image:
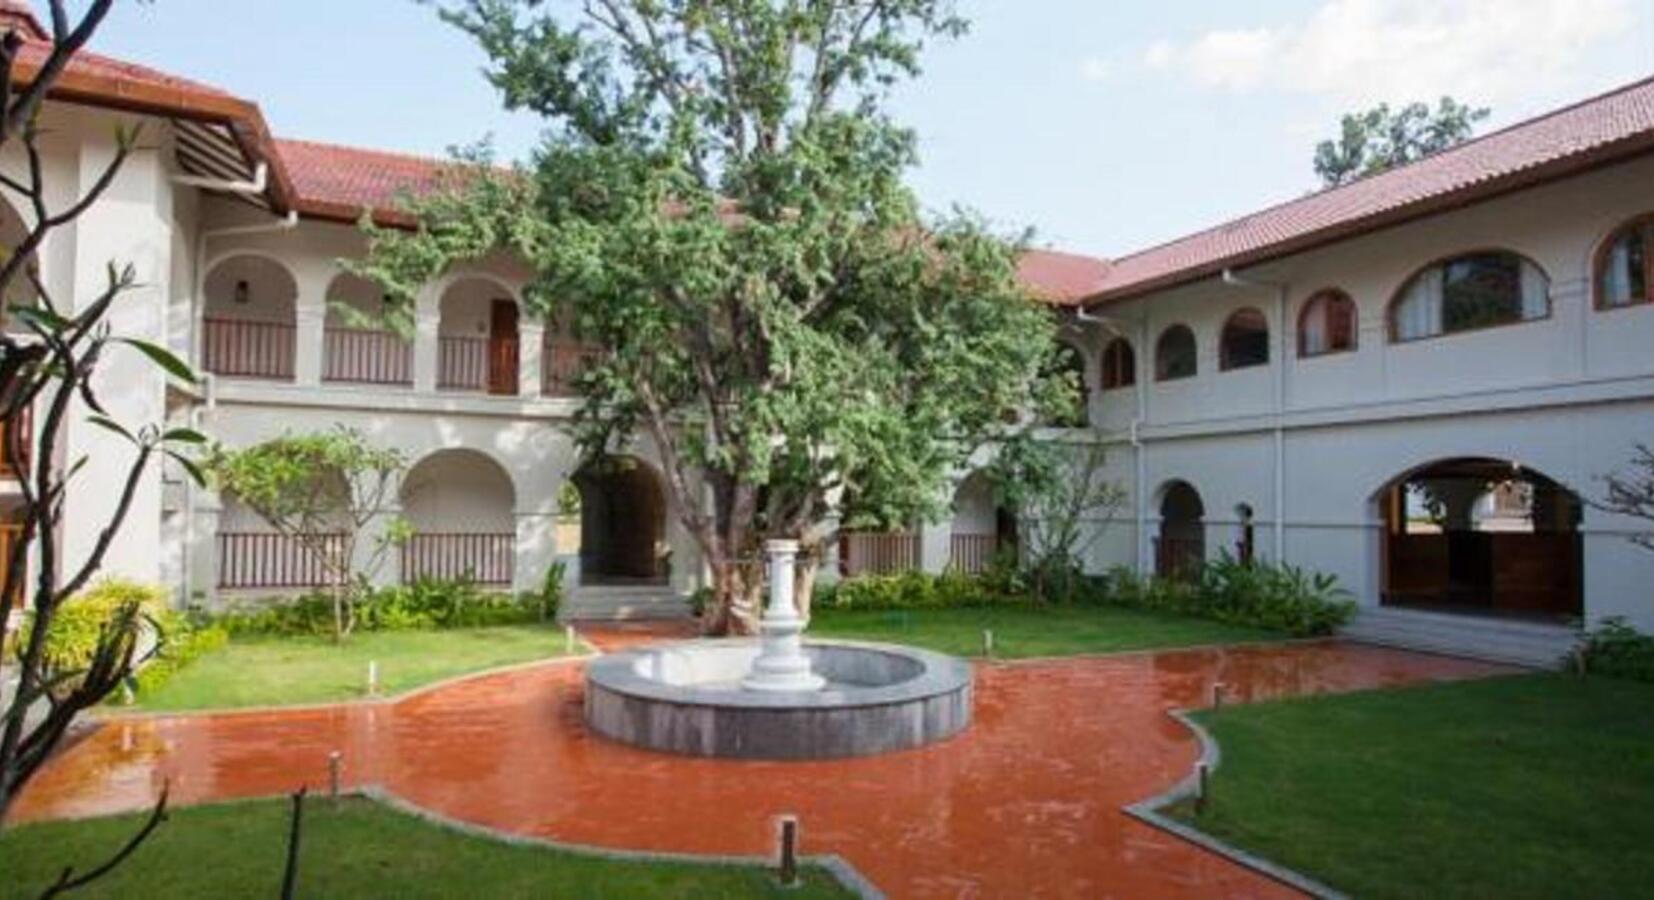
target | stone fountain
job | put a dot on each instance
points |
(778, 696)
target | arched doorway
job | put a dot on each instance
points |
(983, 528)
(462, 506)
(1180, 550)
(1485, 536)
(477, 338)
(622, 523)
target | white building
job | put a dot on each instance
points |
(1410, 382)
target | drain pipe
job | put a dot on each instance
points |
(1139, 461)
(1280, 288)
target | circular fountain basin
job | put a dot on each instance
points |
(687, 698)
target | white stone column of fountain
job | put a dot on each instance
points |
(782, 664)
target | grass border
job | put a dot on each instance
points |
(1148, 812)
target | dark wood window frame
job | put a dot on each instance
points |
(1119, 365)
(1442, 262)
(1335, 298)
(1230, 353)
(1161, 368)
(1643, 224)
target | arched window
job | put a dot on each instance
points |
(1174, 354)
(1625, 266)
(1119, 364)
(1245, 340)
(1327, 324)
(1476, 290)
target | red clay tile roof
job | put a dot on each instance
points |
(340, 183)
(1062, 278)
(1600, 130)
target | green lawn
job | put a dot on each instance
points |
(356, 848)
(1535, 786)
(1021, 632)
(259, 671)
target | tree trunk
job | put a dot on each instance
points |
(804, 581)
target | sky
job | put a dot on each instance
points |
(1106, 127)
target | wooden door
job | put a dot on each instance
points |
(502, 347)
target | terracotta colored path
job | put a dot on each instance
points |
(1026, 803)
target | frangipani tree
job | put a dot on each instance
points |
(720, 203)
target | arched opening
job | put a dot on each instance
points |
(1180, 549)
(461, 506)
(1245, 340)
(622, 523)
(1327, 324)
(20, 293)
(1175, 355)
(565, 357)
(984, 530)
(358, 348)
(1119, 365)
(1482, 536)
(250, 319)
(1068, 363)
(1625, 265)
(1468, 292)
(477, 338)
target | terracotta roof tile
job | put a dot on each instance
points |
(337, 182)
(1567, 140)
(1062, 278)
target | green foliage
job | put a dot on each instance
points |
(184, 645)
(552, 593)
(1616, 649)
(426, 604)
(747, 254)
(913, 591)
(1378, 139)
(72, 637)
(1280, 597)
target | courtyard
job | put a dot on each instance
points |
(1027, 802)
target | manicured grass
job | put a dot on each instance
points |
(1533, 786)
(1021, 632)
(356, 848)
(260, 671)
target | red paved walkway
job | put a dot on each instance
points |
(1026, 803)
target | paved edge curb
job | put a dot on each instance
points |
(1148, 812)
(837, 866)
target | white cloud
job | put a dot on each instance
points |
(1483, 51)
(1095, 68)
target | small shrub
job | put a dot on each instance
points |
(73, 636)
(914, 591)
(552, 592)
(1279, 597)
(183, 646)
(424, 605)
(1618, 650)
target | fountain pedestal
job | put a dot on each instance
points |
(781, 664)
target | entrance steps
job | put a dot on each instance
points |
(623, 603)
(1532, 644)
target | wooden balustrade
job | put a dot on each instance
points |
(19, 435)
(484, 558)
(264, 560)
(972, 554)
(874, 553)
(10, 534)
(248, 349)
(562, 364)
(462, 364)
(366, 356)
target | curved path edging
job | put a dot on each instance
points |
(1148, 812)
(837, 866)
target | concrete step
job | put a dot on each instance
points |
(614, 603)
(1531, 644)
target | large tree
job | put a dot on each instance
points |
(720, 201)
(1380, 138)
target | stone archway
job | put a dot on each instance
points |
(1180, 549)
(1482, 535)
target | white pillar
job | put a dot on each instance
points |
(935, 546)
(536, 551)
(427, 322)
(310, 321)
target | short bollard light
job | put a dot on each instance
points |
(1219, 689)
(1201, 774)
(988, 643)
(373, 677)
(787, 850)
(568, 639)
(335, 766)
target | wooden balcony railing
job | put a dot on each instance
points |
(248, 349)
(366, 356)
(873, 553)
(11, 595)
(562, 364)
(263, 560)
(972, 554)
(484, 558)
(19, 435)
